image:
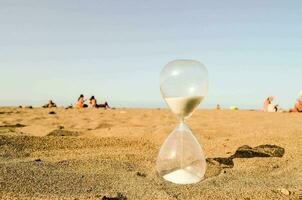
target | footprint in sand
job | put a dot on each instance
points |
(104, 125)
(216, 165)
(10, 128)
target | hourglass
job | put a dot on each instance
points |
(183, 85)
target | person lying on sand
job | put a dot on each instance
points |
(80, 102)
(104, 105)
(268, 105)
(93, 103)
(50, 104)
(298, 106)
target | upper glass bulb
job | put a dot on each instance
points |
(184, 84)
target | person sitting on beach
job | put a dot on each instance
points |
(93, 103)
(298, 105)
(50, 104)
(268, 105)
(80, 102)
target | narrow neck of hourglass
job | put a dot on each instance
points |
(181, 119)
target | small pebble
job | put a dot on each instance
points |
(119, 196)
(60, 127)
(275, 166)
(285, 191)
(141, 174)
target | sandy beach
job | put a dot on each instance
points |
(111, 154)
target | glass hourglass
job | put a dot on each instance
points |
(183, 85)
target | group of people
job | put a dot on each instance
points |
(269, 106)
(92, 103)
(80, 103)
(50, 104)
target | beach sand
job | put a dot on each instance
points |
(101, 154)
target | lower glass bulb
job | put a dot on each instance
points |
(181, 159)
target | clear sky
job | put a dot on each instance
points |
(115, 49)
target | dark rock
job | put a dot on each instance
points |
(259, 151)
(52, 113)
(119, 196)
(216, 165)
(38, 160)
(141, 174)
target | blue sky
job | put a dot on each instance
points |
(115, 50)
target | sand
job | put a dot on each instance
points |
(182, 176)
(93, 154)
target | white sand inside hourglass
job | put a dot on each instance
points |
(183, 106)
(182, 176)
